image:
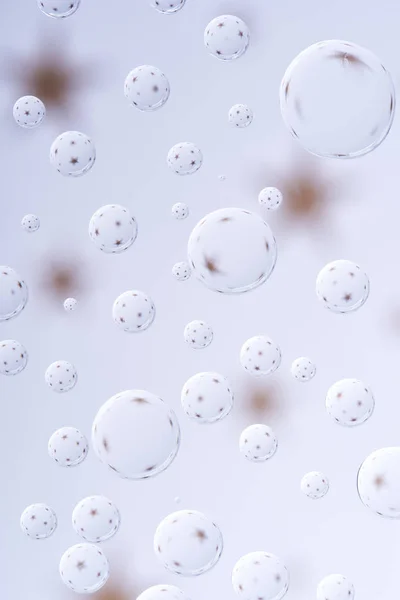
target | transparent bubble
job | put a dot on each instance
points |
(73, 154)
(147, 88)
(184, 158)
(13, 293)
(207, 397)
(167, 7)
(29, 112)
(232, 251)
(342, 286)
(177, 500)
(198, 334)
(260, 575)
(112, 229)
(84, 568)
(136, 434)
(227, 37)
(133, 311)
(303, 369)
(30, 223)
(240, 115)
(58, 9)
(61, 376)
(335, 587)
(188, 543)
(70, 304)
(68, 447)
(323, 99)
(38, 521)
(270, 198)
(315, 485)
(260, 356)
(181, 271)
(13, 357)
(222, 177)
(163, 592)
(96, 519)
(258, 443)
(350, 402)
(378, 482)
(180, 211)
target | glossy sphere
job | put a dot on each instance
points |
(232, 251)
(73, 154)
(350, 402)
(13, 357)
(227, 37)
(38, 521)
(258, 443)
(112, 229)
(378, 482)
(260, 575)
(84, 568)
(96, 519)
(147, 88)
(342, 286)
(314, 485)
(270, 198)
(163, 592)
(181, 271)
(29, 112)
(260, 356)
(167, 7)
(121, 436)
(61, 376)
(13, 293)
(180, 211)
(240, 115)
(207, 397)
(198, 334)
(133, 311)
(303, 369)
(58, 9)
(68, 447)
(188, 543)
(322, 99)
(184, 158)
(335, 587)
(30, 223)
(70, 304)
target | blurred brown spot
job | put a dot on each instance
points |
(112, 592)
(63, 279)
(306, 193)
(262, 401)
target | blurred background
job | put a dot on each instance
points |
(331, 210)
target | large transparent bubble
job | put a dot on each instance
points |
(337, 99)
(379, 482)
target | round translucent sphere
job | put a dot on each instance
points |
(84, 568)
(350, 402)
(112, 229)
(270, 198)
(38, 521)
(136, 434)
(198, 334)
(61, 376)
(29, 112)
(335, 587)
(188, 543)
(163, 592)
(207, 397)
(303, 369)
(378, 482)
(96, 519)
(167, 7)
(181, 271)
(68, 447)
(227, 37)
(133, 311)
(342, 286)
(258, 443)
(240, 115)
(59, 9)
(232, 251)
(147, 88)
(13, 293)
(315, 485)
(260, 356)
(73, 154)
(184, 158)
(30, 223)
(13, 357)
(70, 304)
(260, 575)
(323, 99)
(180, 211)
